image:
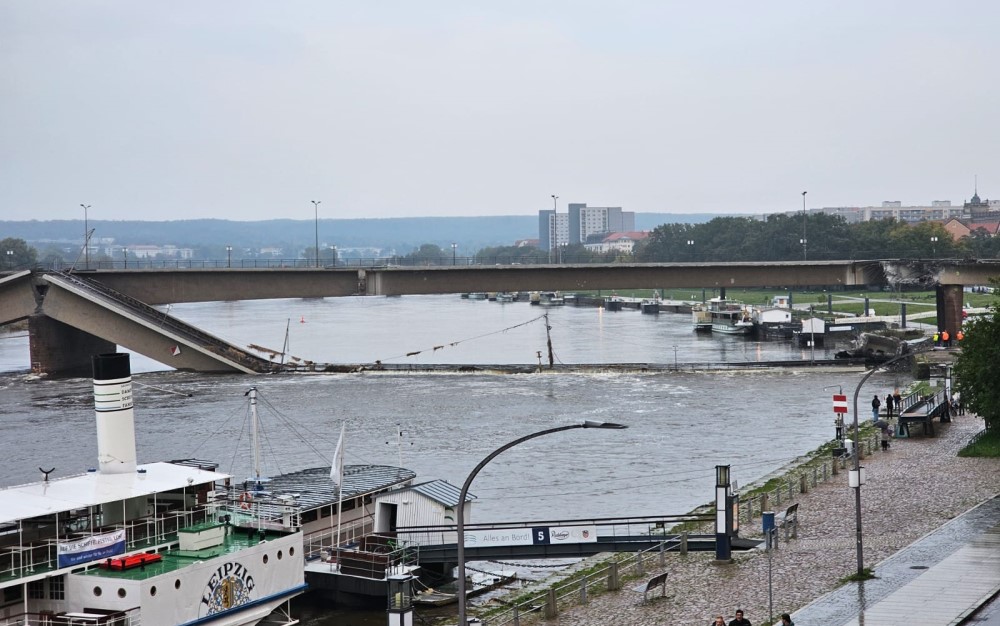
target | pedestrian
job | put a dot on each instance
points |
(960, 336)
(885, 436)
(888, 404)
(739, 620)
(898, 401)
(937, 339)
(876, 405)
(786, 620)
(719, 621)
(957, 400)
(945, 338)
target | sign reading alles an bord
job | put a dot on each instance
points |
(539, 535)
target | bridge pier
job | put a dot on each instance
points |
(61, 349)
(949, 308)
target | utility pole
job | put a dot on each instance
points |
(805, 256)
(316, 204)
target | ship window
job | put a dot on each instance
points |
(11, 595)
(121, 592)
(152, 590)
(177, 584)
(291, 551)
(265, 559)
(97, 591)
(280, 555)
(57, 588)
(36, 590)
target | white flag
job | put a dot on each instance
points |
(337, 467)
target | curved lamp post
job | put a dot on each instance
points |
(460, 524)
(856, 477)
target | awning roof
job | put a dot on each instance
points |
(93, 488)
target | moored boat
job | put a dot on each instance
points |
(614, 302)
(128, 543)
(730, 317)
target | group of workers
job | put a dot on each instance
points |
(943, 338)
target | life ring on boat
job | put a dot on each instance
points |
(246, 501)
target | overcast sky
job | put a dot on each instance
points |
(248, 110)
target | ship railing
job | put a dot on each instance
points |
(351, 534)
(130, 617)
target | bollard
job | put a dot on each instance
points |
(763, 502)
(816, 475)
(613, 581)
(791, 494)
(639, 569)
(749, 509)
(803, 484)
(684, 542)
(663, 553)
(551, 606)
(833, 467)
(517, 616)
(583, 591)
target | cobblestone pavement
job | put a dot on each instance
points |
(912, 489)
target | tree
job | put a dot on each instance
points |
(975, 368)
(15, 254)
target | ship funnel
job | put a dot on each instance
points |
(113, 410)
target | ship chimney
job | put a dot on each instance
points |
(113, 410)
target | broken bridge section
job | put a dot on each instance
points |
(79, 317)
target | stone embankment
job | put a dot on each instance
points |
(913, 488)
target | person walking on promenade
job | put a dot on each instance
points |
(876, 405)
(719, 621)
(937, 339)
(786, 620)
(945, 338)
(888, 405)
(898, 401)
(739, 620)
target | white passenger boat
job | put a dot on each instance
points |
(730, 317)
(152, 544)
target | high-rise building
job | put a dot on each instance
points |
(555, 229)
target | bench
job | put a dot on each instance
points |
(660, 580)
(789, 520)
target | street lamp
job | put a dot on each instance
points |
(691, 243)
(454, 251)
(857, 476)
(86, 238)
(229, 256)
(316, 204)
(552, 223)
(934, 241)
(10, 258)
(460, 524)
(803, 240)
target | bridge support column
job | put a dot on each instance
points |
(58, 348)
(949, 308)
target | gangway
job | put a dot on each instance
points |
(537, 539)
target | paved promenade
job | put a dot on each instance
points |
(913, 493)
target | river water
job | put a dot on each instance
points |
(681, 423)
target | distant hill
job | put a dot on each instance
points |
(403, 234)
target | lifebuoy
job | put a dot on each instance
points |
(246, 501)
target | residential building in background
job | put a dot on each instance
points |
(581, 224)
(622, 243)
(975, 210)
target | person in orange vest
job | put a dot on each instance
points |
(960, 335)
(945, 338)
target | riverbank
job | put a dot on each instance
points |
(915, 487)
